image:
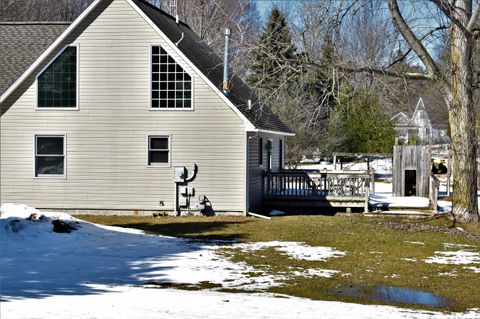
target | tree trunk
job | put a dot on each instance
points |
(462, 119)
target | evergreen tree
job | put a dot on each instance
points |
(360, 125)
(273, 56)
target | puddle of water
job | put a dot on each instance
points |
(395, 294)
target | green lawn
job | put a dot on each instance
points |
(374, 251)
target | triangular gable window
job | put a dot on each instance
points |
(57, 84)
(171, 85)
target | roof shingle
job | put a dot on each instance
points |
(21, 44)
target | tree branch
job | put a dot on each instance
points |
(366, 69)
(426, 35)
(432, 68)
(447, 9)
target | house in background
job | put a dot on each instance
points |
(122, 111)
(419, 127)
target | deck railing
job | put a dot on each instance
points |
(316, 184)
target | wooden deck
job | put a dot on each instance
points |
(313, 188)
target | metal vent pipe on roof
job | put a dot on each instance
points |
(225, 61)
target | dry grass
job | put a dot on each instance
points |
(374, 251)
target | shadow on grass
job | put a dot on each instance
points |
(212, 230)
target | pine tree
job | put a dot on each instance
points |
(273, 57)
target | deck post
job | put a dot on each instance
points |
(335, 162)
(367, 199)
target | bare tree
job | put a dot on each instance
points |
(41, 10)
(457, 92)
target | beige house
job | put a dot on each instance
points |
(122, 111)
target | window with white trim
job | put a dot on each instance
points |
(159, 150)
(171, 85)
(57, 84)
(49, 155)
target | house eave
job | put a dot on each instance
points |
(257, 130)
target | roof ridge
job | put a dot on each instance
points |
(35, 22)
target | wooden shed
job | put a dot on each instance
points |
(411, 170)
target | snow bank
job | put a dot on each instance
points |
(22, 211)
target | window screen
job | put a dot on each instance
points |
(171, 85)
(57, 84)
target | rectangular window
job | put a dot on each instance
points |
(171, 84)
(280, 154)
(260, 151)
(49, 155)
(269, 154)
(57, 84)
(159, 151)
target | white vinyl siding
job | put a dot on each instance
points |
(107, 141)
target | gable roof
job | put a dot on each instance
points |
(401, 119)
(210, 65)
(17, 55)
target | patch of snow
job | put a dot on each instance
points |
(415, 243)
(409, 259)
(392, 202)
(454, 258)
(327, 273)
(474, 269)
(382, 188)
(277, 213)
(452, 273)
(448, 245)
(295, 250)
(444, 206)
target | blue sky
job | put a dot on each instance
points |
(264, 6)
